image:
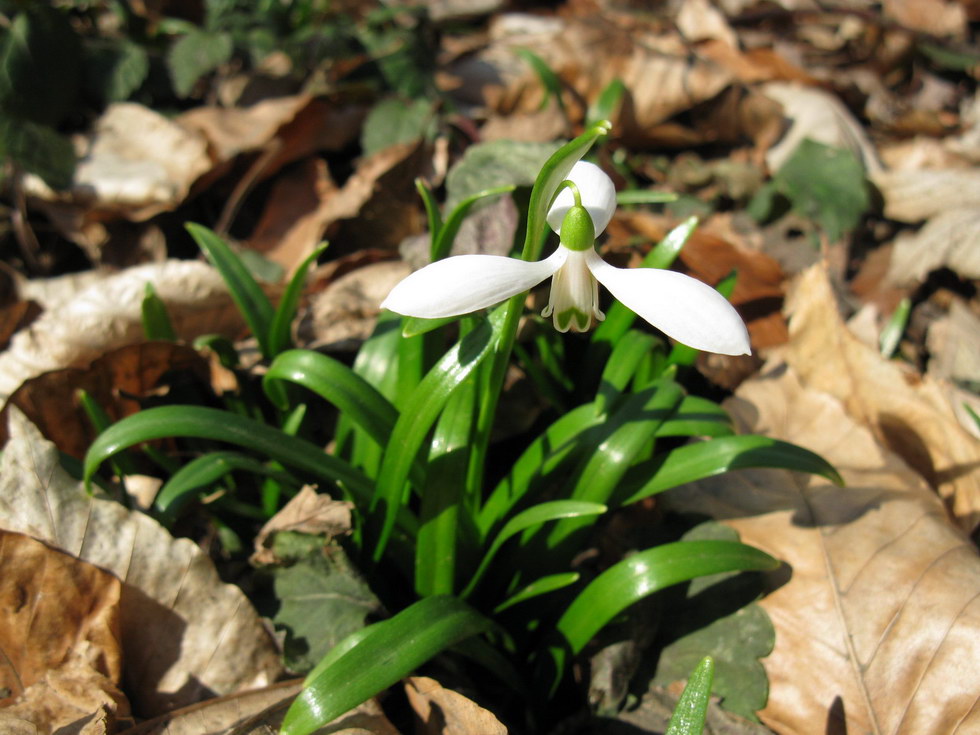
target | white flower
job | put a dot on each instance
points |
(682, 307)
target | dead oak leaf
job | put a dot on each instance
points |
(907, 412)
(877, 617)
(185, 634)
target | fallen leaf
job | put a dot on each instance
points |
(185, 634)
(259, 712)
(308, 512)
(931, 17)
(117, 381)
(136, 163)
(876, 610)
(909, 414)
(954, 350)
(819, 116)
(950, 239)
(59, 635)
(913, 195)
(106, 314)
(442, 711)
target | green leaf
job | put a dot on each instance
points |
(417, 417)
(621, 367)
(40, 64)
(40, 150)
(338, 384)
(542, 586)
(717, 613)
(532, 517)
(493, 164)
(282, 318)
(442, 244)
(644, 196)
(210, 423)
(390, 651)
(716, 456)
(692, 707)
(203, 472)
(697, 416)
(115, 69)
(607, 104)
(322, 599)
(194, 55)
(826, 185)
(549, 80)
(156, 320)
(891, 335)
(646, 572)
(393, 121)
(432, 213)
(245, 291)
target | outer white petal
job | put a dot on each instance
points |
(465, 283)
(682, 307)
(597, 192)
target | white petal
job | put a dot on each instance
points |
(682, 307)
(465, 283)
(597, 192)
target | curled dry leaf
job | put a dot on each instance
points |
(909, 414)
(59, 638)
(106, 315)
(308, 512)
(877, 617)
(185, 634)
(951, 239)
(445, 712)
(913, 195)
(116, 381)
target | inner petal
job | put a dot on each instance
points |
(574, 299)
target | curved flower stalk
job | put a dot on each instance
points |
(684, 308)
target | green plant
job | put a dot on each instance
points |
(476, 561)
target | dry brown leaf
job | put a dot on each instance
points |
(185, 634)
(56, 612)
(106, 315)
(877, 617)
(259, 712)
(913, 195)
(442, 711)
(664, 76)
(953, 342)
(819, 116)
(950, 239)
(933, 17)
(308, 512)
(136, 163)
(116, 381)
(908, 413)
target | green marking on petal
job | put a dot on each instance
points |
(574, 319)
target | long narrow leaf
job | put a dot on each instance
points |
(209, 423)
(389, 652)
(621, 367)
(646, 572)
(692, 707)
(156, 320)
(282, 319)
(542, 586)
(245, 291)
(716, 456)
(533, 516)
(338, 384)
(417, 417)
(697, 416)
(442, 244)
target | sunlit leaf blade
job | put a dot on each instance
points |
(606, 105)
(156, 320)
(646, 572)
(697, 416)
(431, 210)
(544, 455)
(282, 318)
(546, 75)
(891, 335)
(713, 457)
(417, 417)
(541, 586)
(245, 291)
(554, 171)
(644, 196)
(692, 707)
(338, 384)
(412, 326)
(210, 423)
(533, 516)
(202, 472)
(621, 367)
(382, 657)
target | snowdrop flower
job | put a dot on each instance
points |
(682, 307)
